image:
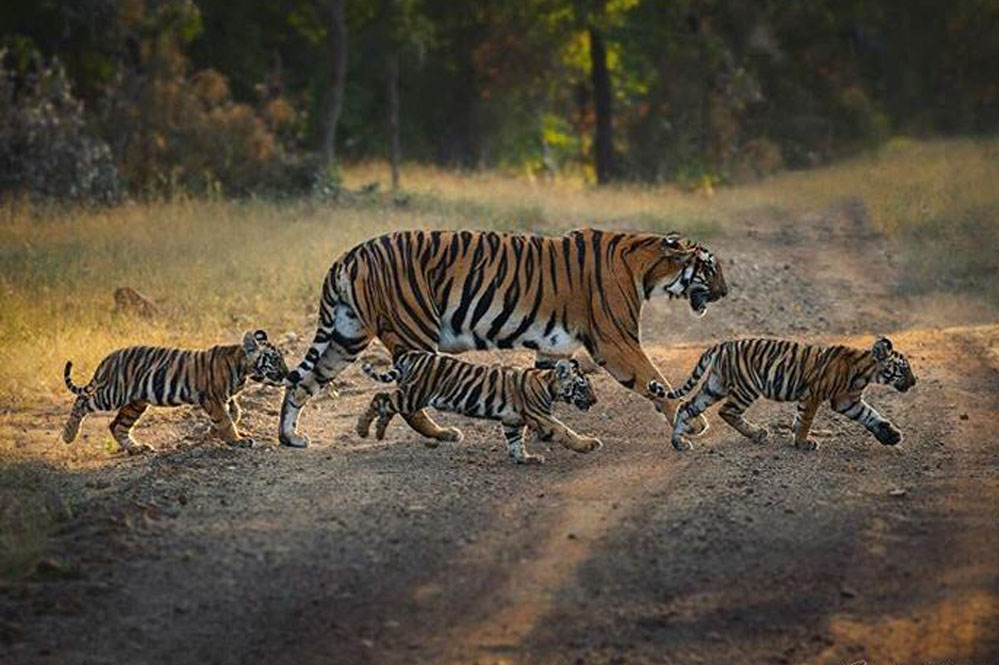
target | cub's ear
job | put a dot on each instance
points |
(574, 363)
(881, 348)
(564, 368)
(250, 341)
(260, 336)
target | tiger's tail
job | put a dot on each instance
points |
(73, 388)
(705, 361)
(390, 376)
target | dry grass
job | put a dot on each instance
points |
(215, 268)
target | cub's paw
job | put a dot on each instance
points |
(244, 442)
(807, 444)
(888, 435)
(363, 428)
(697, 426)
(760, 435)
(453, 434)
(139, 449)
(681, 443)
(586, 444)
(529, 458)
(293, 440)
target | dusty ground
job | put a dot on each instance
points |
(360, 552)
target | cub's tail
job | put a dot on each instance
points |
(73, 388)
(390, 376)
(703, 364)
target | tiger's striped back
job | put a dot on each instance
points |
(163, 376)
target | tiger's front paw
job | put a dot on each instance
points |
(760, 435)
(293, 440)
(139, 448)
(807, 444)
(887, 434)
(586, 444)
(453, 434)
(243, 442)
(529, 458)
(681, 444)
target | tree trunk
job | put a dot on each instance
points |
(393, 117)
(336, 50)
(604, 146)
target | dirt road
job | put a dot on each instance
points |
(364, 552)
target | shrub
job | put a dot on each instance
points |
(47, 151)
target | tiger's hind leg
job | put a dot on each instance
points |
(552, 429)
(517, 447)
(732, 410)
(690, 412)
(340, 338)
(121, 428)
(235, 413)
(425, 425)
(81, 409)
(383, 406)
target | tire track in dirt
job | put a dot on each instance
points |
(590, 505)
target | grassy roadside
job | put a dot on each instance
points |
(215, 268)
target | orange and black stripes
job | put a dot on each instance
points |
(460, 290)
(518, 398)
(133, 378)
(785, 371)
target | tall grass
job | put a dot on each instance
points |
(216, 268)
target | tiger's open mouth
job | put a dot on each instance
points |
(699, 299)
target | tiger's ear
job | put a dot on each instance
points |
(251, 343)
(672, 241)
(260, 335)
(575, 365)
(563, 368)
(881, 348)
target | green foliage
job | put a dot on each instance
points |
(47, 151)
(704, 92)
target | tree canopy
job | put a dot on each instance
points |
(238, 96)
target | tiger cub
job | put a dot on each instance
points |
(518, 398)
(133, 378)
(786, 371)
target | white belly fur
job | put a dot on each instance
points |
(558, 341)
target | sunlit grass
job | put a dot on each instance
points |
(905, 184)
(217, 268)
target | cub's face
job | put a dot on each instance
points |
(893, 367)
(266, 361)
(570, 385)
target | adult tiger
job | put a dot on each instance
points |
(461, 290)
